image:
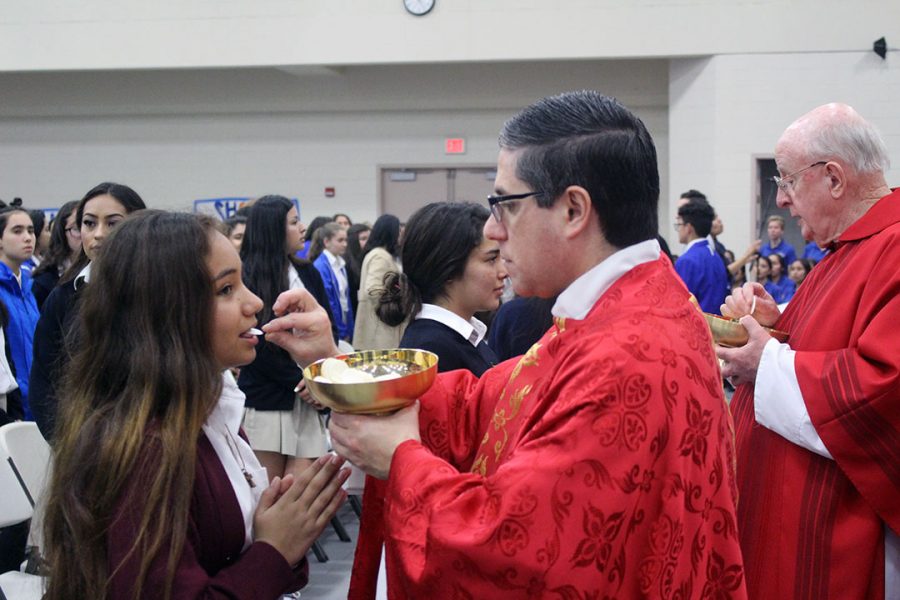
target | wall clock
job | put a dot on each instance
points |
(418, 7)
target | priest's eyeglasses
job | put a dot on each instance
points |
(496, 202)
(784, 183)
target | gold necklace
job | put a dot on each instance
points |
(236, 452)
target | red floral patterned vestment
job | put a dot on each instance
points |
(598, 465)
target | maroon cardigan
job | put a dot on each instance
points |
(211, 565)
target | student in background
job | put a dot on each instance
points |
(16, 247)
(799, 269)
(699, 266)
(65, 243)
(101, 209)
(343, 220)
(333, 269)
(780, 286)
(357, 236)
(379, 260)
(308, 237)
(235, 227)
(285, 431)
(777, 243)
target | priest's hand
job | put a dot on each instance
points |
(369, 441)
(740, 364)
(302, 327)
(741, 302)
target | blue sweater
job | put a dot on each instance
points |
(344, 323)
(705, 276)
(783, 249)
(783, 290)
(23, 318)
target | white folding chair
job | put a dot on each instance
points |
(30, 455)
(15, 507)
(22, 441)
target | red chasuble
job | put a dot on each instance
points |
(812, 527)
(597, 465)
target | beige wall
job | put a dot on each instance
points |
(134, 34)
(727, 110)
(180, 136)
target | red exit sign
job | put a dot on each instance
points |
(455, 146)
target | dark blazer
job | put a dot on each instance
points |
(211, 565)
(43, 284)
(269, 381)
(453, 350)
(49, 356)
(518, 324)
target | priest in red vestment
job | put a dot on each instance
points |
(818, 418)
(600, 463)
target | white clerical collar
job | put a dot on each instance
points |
(336, 262)
(709, 242)
(84, 276)
(576, 301)
(472, 330)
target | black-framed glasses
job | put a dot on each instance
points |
(496, 202)
(784, 183)
(73, 230)
(678, 225)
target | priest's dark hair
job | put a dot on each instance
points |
(699, 215)
(436, 245)
(587, 139)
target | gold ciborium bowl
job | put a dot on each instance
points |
(730, 332)
(415, 370)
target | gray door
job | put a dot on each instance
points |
(405, 190)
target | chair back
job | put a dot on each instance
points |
(15, 506)
(30, 453)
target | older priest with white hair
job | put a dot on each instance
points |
(818, 419)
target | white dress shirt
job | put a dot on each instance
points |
(472, 330)
(221, 429)
(337, 266)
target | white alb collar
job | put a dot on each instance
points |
(472, 330)
(577, 300)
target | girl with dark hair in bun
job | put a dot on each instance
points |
(450, 272)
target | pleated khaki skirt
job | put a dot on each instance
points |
(299, 432)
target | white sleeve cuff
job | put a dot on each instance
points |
(778, 402)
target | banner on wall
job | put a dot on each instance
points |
(225, 208)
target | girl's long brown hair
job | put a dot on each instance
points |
(142, 381)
